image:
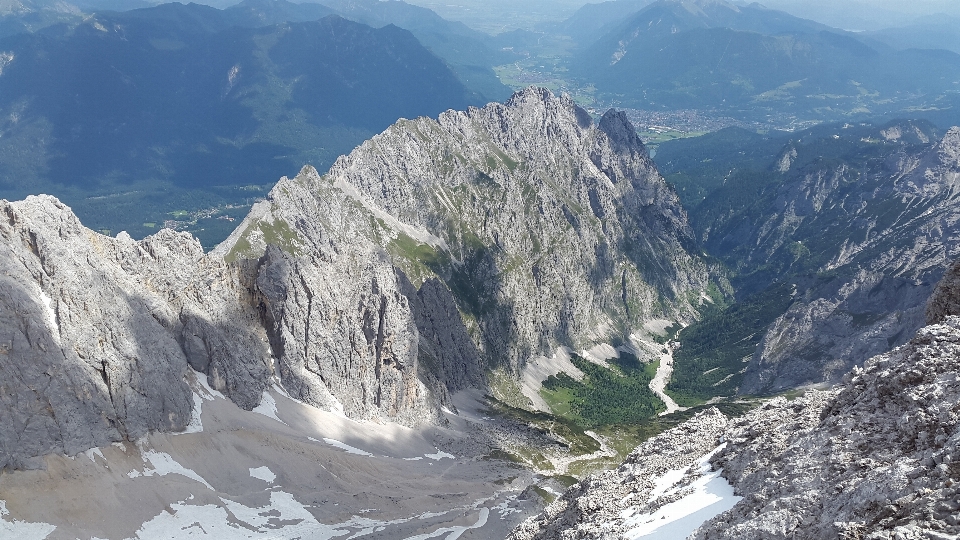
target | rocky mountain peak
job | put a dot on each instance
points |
(622, 135)
(434, 251)
(506, 196)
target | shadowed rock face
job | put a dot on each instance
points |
(945, 300)
(435, 250)
(97, 332)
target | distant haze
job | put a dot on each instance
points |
(865, 14)
(495, 16)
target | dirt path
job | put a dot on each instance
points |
(660, 380)
(561, 464)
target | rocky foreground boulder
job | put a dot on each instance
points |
(878, 457)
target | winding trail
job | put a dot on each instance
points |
(561, 464)
(659, 382)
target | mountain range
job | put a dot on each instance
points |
(491, 282)
(456, 310)
(834, 236)
(754, 63)
(350, 286)
(177, 107)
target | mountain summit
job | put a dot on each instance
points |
(433, 252)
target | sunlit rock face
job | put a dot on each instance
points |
(434, 251)
(500, 232)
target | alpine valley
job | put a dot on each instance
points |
(470, 314)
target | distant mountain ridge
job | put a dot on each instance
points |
(755, 63)
(180, 97)
(470, 53)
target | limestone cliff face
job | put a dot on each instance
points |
(341, 327)
(879, 461)
(97, 333)
(548, 229)
(434, 251)
(892, 235)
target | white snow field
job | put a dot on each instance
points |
(285, 470)
(21, 530)
(706, 497)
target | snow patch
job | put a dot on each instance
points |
(21, 530)
(196, 424)
(263, 473)
(504, 508)
(337, 407)
(349, 449)
(710, 495)
(439, 455)
(52, 324)
(268, 407)
(164, 464)
(95, 452)
(208, 394)
(452, 533)
(284, 517)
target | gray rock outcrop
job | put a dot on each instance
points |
(597, 506)
(881, 462)
(547, 228)
(98, 332)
